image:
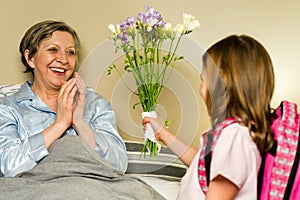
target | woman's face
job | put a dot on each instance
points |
(55, 59)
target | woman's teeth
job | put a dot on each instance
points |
(58, 70)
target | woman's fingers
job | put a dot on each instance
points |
(67, 87)
(80, 83)
(65, 99)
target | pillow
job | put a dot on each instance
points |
(166, 165)
(6, 90)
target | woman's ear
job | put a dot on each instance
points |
(29, 60)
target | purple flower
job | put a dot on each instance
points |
(125, 38)
(153, 13)
(123, 27)
(151, 19)
(130, 21)
(141, 17)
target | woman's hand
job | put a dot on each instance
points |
(64, 103)
(64, 112)
(79, 100)
(81, 127)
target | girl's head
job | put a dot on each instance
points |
(239, 77)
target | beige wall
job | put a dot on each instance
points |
(274, 23)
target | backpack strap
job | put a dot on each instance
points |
(293, 118)
(287, 135)
(261, 171)
(210, 140)
(278, 168)
(207, 158)
(294, 170)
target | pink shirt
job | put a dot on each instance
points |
(235, 157)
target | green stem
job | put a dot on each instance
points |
(125, 83)
(170, 60)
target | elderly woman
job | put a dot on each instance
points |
(55, 104)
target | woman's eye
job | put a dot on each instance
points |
(52, 50)
(71, 52)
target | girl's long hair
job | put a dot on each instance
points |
(239, 75)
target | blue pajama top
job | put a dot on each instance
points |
(24, 116)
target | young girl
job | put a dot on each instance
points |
(237, 87)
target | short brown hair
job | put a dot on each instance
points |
(38, 32)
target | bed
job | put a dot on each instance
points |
(61, 175)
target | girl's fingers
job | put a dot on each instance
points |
(146, 120)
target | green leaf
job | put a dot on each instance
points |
(110, 68)
(134, 106)
(178, 58)
(167, 123)
(166, 58)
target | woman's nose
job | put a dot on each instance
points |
(62, 58)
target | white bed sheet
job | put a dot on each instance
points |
(168, 189)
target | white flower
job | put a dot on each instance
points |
(114, 29)
(149, 28)
(179, 28)
(168, 31)
(189, 22)
(168, 27)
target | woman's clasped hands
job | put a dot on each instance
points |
(71, 102)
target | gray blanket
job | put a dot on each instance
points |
(74, 171)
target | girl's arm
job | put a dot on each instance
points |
(220, 188)
(186, 153)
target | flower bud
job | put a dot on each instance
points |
(179, 28)
(112, 28)
(168, 27)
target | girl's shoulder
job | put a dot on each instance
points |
(236, 126)
(237, 135)
(237, 130)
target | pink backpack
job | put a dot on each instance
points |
(279, 175)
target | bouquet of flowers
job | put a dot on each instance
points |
(141, 39)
